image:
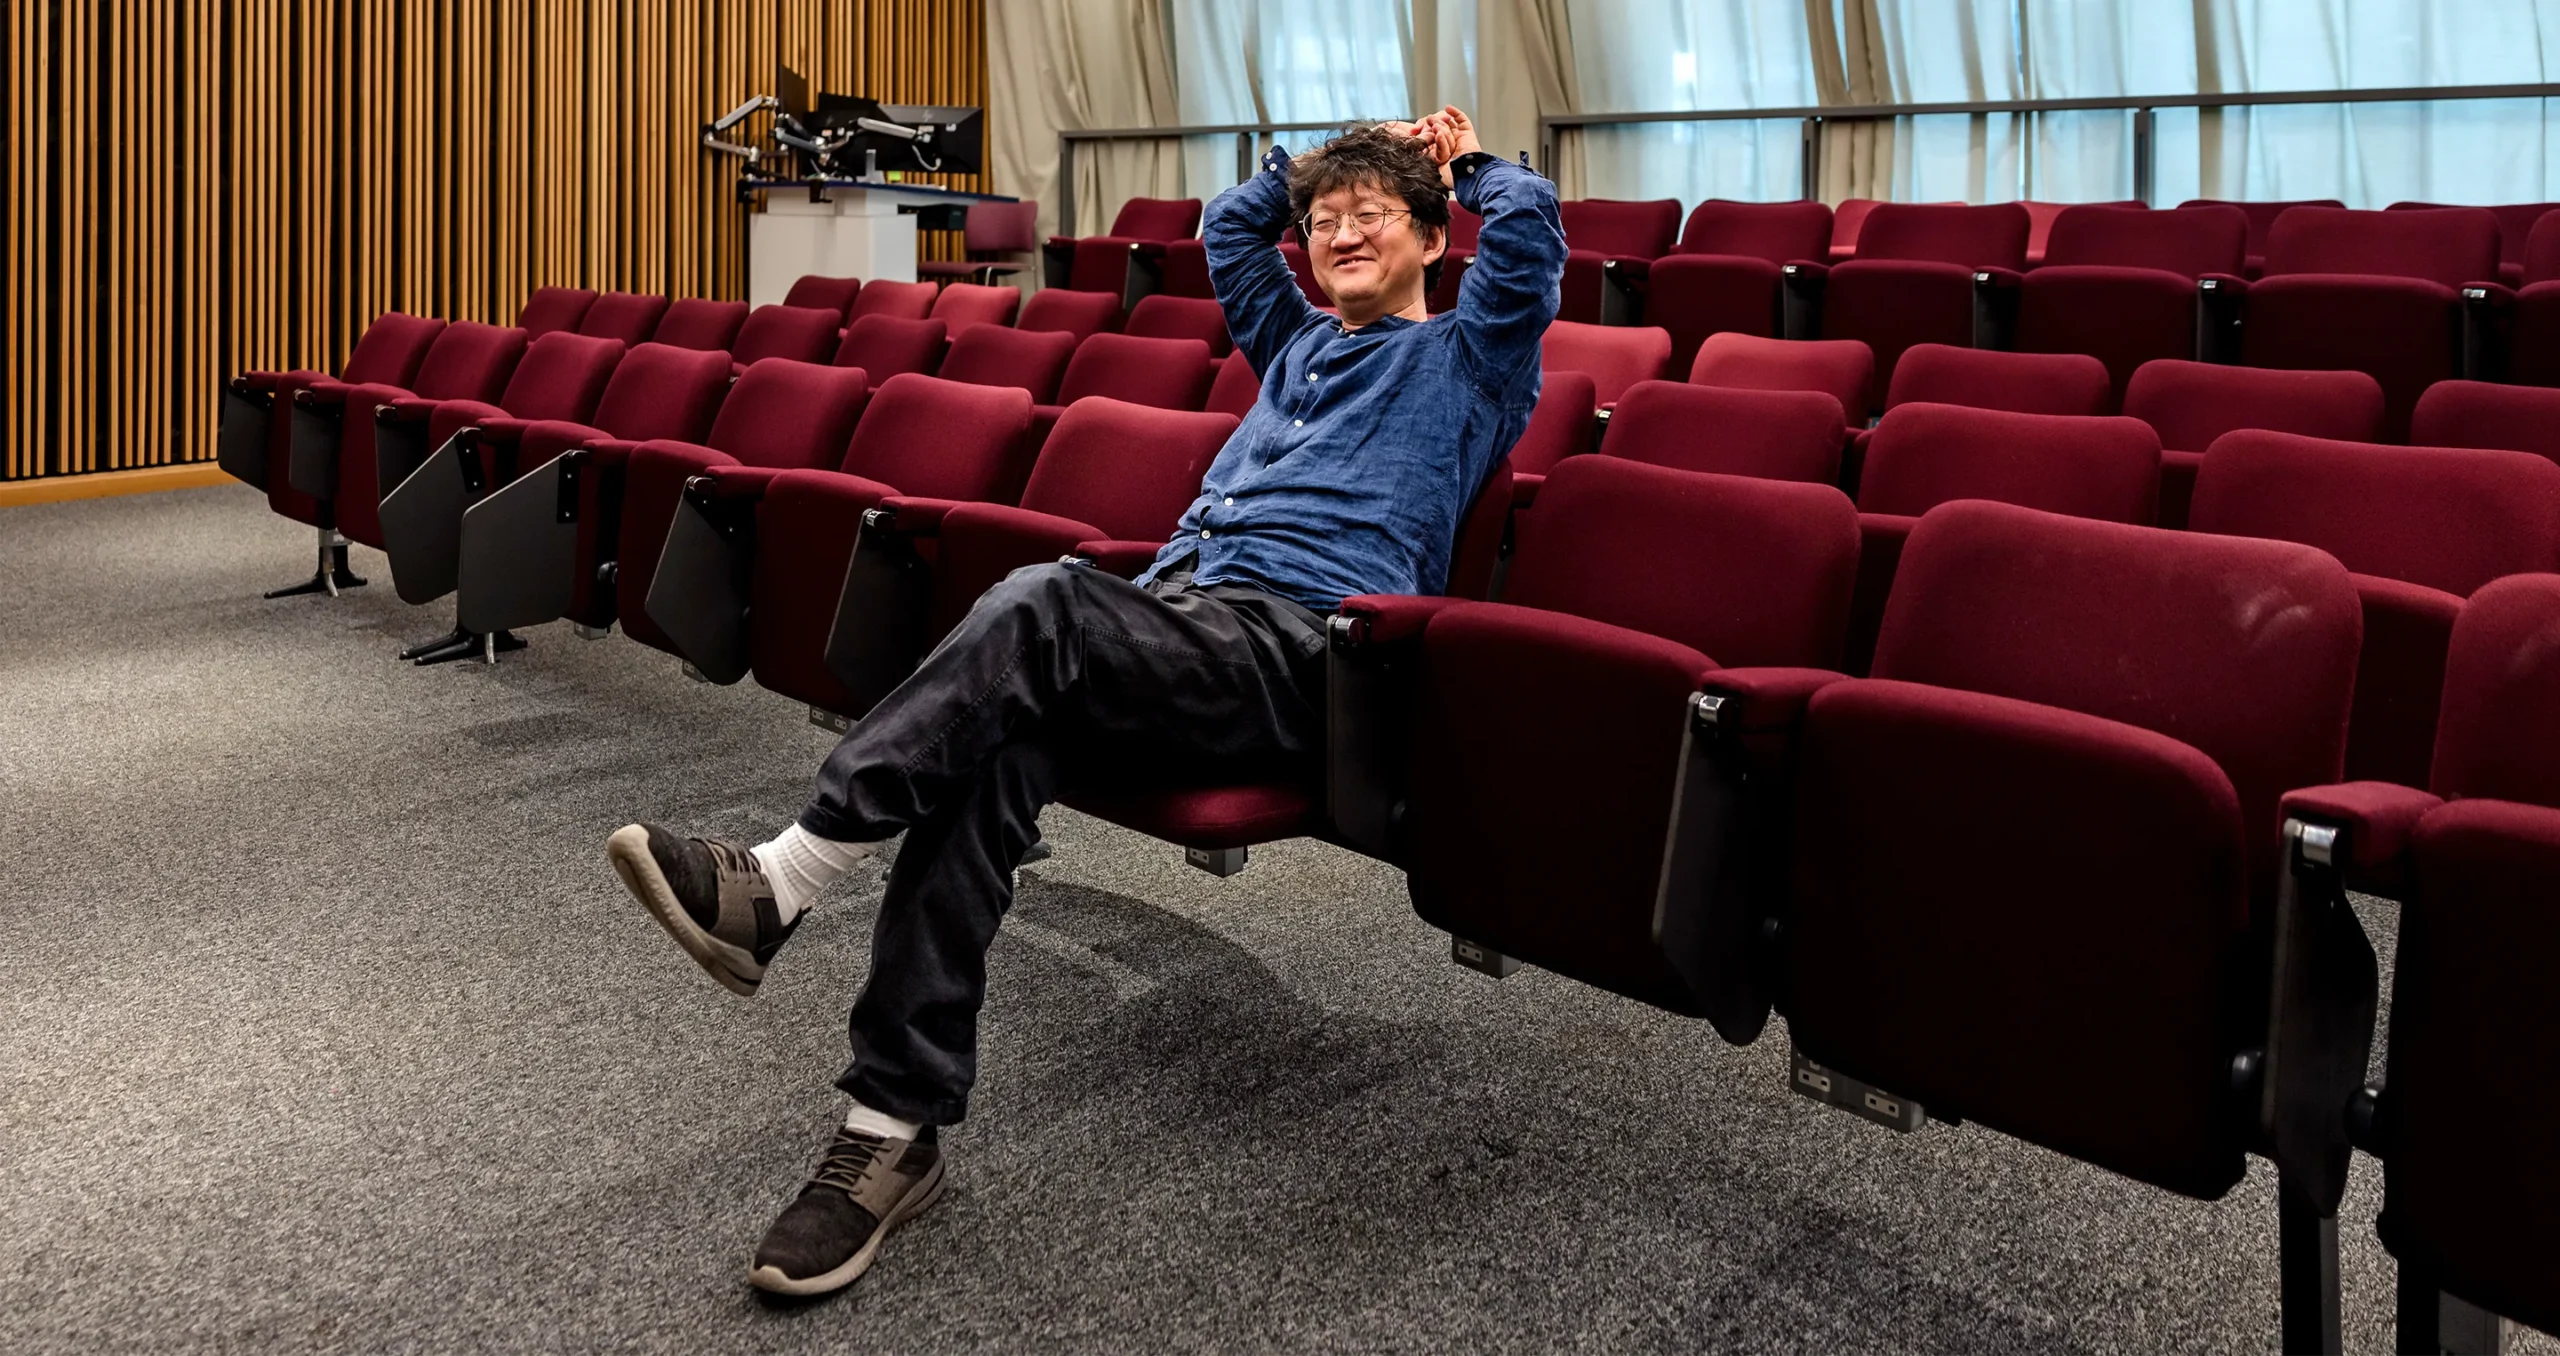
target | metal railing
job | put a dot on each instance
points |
(1250, 137)
(2145, 144)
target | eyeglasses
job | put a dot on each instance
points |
(1325, 228)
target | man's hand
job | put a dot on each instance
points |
(1451, 135)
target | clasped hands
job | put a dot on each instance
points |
(1446, 134)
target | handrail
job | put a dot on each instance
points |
(1247, 135)
(2142, 107)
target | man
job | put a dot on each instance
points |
(1370, 437)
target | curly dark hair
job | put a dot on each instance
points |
(1368, 155)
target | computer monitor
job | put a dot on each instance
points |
(951, 137)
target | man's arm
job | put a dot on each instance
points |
(1513, 289)
(1260, 295)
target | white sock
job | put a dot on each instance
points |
(881, 1123)
(801, 865)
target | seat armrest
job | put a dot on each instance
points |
(405, 410)
(1524, 489)
(734, 484)
(1762, 710)
(1376, 619)
(503, 430)
(2488, 330)
(1996, 293)
(2219, 300)
(1622, 290)
(1127, 559)
(321, 395)
(912, 515)
(2374, 820)
(606, 454)
(1802, 283)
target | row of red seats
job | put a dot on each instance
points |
(1625, 578)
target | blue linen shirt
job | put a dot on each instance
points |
(1365, 447)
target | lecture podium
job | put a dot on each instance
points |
(840, 228)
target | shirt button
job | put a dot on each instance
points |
(1204, 534)
(1297, 423)
(1231, 503)
(1311, 376)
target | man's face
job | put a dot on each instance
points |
(1381, 270)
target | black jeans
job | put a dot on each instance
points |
(1061, 675)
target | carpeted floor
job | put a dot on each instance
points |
(324, 1026)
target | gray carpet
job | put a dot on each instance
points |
(323, 1027)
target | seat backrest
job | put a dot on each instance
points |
(992, 355)
(2489, 414)
(1990, 236)
(2245, 650)
(1616, 356)
(1129, 470)
(1001, 227)
(1842, 368)
(2516, 221)
(1988, 379)
(1560, 424)
(2261, 215)
(698, 322)
(470, 361)
(2042, 215)
(805, 334)
(2499, 734)
(1157, 219)
(885, 346)
(1771, 435)
(825, 294)
(2102, 467)
(1780, 232)
(561, 376)
(2542, 251)
(2449, 246)
(905, 300)
(1848, 219)
(661, 391)
(390, 349)
(2194, 242)
(940, 439)
(631, 317)
(1170, 374)
(1643, 230)
(2191, 404)
(1082, 314)
(2446, 518)
(789, 414)
(962, 305)
(1750, 572)
(1164, 317)
(552, 309)
(1236, 388)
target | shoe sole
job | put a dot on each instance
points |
(914, 1203)
(628, 849)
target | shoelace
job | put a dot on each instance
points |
(732, 860)
(848, 1161)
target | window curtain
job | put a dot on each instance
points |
(1093, 63)
(2370, 155)
(1660, 55)
(1245, 61)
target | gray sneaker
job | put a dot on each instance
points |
(863, 1188)
(710, 895)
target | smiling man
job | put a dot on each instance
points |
(1372, 433)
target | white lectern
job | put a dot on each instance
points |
(839, 230)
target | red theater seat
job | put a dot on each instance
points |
(962, 305)
(1235, 388)
(991, 355)
(2488, 414)
(554, 310)
(1843, 369)
(1766, 435)
(255, 442)
(1100, 263)
(2421, 527)
(339, 465)
(899, 300)
(991, 233)
(803, 334)
(2042, 215)
(1725, 273)
(2262, 221)
(1082, 314)
(1169, 374)
(884, 346)
(2119, 283)
(2191, 404)
(631, 317)
(824, 294)
(1169, 317)
(1615, 356)
(2036, 862)
(1599, 231)
(1912, 281)
(696, 323)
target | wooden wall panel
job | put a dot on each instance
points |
(202, 187)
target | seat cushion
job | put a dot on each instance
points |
(1213, 817)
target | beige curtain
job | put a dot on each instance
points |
(1070, 64)
(1849, 68)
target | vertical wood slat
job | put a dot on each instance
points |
(204, 187)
